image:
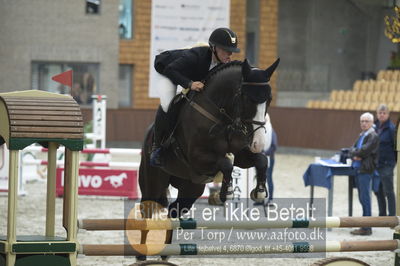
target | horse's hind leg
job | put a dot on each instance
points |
(143, 233)
(188, 193)
(153, 184)
(147, 209)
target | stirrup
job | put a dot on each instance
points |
(155, 157)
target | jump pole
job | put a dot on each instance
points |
(171, 224)
(112, 151)
(265, 248)
(87, 164)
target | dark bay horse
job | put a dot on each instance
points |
(227, 117)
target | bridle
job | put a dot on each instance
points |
(234, 124)
(261, 124)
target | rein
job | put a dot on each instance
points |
(255, 83)
(204, 112)
(201, 110)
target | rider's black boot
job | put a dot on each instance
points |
(160, 128)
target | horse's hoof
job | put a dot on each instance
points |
(258, 195)
(226, 192)
(229, 193)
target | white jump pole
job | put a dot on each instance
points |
(111, 151)
(87, 164)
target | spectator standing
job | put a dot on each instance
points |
(387, 161)
(271, 154)
(365, 158)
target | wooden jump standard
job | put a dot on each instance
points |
(50, 119)
(207, 249)
(170, 224)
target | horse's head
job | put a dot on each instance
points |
(256, 97)
(240, 94)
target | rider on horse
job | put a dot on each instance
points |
(186, 68)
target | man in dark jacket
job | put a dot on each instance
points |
(387, 161)
(365, 158)
(186, 68)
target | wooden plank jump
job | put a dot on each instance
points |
(264, 248)
(170, 224)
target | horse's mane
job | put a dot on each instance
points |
(220, 68)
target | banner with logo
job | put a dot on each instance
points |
(183, 23)
(102, 182)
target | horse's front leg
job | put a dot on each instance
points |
(226, 166)
(188, 193)
(261, 164)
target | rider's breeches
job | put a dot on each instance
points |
(166, 90)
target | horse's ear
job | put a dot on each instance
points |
(246, 68)
(270, 70)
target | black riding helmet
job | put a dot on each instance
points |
(225, 39)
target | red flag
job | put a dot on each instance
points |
(64, 78)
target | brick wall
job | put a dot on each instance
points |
(238, 25)
(269, 38)
(137, 51)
